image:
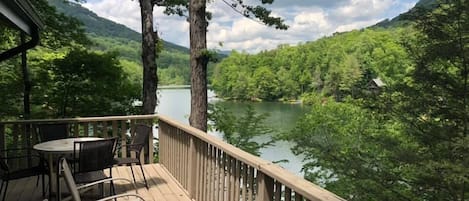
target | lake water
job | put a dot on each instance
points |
(175, 103)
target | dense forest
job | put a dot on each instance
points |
(336, 66)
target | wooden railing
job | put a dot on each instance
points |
(15, 134)
(210, 169)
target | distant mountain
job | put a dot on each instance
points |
(408, 16)
(103, 27)
(108, 36)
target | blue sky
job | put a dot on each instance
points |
(308, 20)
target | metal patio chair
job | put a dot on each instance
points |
(91, 158)
(7, 174)
(75, 190)
(55, 131)
(142, 133)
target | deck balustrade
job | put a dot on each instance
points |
(205, 166)
(210, 169)
(23, 133)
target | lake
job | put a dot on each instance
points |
(175, 103)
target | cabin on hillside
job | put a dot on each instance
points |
(375, 85)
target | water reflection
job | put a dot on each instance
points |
(175, 103)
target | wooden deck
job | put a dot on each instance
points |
(162, 186)
(191, 162)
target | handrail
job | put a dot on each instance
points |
(241, 155)
(224, 172)
(82, 119)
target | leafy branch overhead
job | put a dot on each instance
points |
(257, 13)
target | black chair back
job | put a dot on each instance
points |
(48, 132)
(142, 133)
(94, 155)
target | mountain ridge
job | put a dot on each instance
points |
(100, 26)
(408, 16)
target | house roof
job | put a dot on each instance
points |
(379, 82)
(20, 14)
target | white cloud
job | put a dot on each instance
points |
(362, 9)
(355, 25)
(124, 12)
(308, 20)
(171, 28)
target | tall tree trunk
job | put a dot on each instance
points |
(150, 79)
(198, 61)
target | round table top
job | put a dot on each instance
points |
(62, 145)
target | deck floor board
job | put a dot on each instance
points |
(162, 186)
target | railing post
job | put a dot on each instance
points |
(123, 139)
(192, 174)
(150, 145)
(76, 131)
(161, 155)
(27, 135)
(265, 189)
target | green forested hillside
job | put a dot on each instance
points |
(173, 60)
(336, 66)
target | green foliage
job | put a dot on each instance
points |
(173, 66)
(266, 84)
(337, 66)
(59, 33)
(411, 143)
(433, 103)
(172, 61)
(10, 82)
(85, 84)
(60, 30)
(315, 99)
(240, 130)
(352, 152)
(256, 12)
(9, 76)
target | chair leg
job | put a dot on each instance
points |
(143, 173)
(112, 189)
(50, 187)
(43, 186)
(1, 189)
(5, 191)
(133, 175)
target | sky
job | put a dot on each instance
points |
(308, 20)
